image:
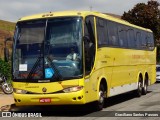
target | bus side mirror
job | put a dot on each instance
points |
(8, 39)
(86, 38)
(6, 50)
(6, 54)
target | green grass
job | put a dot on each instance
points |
(7, 26)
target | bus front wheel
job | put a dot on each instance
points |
(100, 103)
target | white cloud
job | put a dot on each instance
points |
(12, 10)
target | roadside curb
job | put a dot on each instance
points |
(1, 91)
(5, 108)
(6, 101)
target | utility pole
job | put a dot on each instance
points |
(91, 8)
(91, 5)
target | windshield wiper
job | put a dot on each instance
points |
(58, 75)
(34, 67)
(74, 77)
(36, 63)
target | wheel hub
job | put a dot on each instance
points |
(101, 96)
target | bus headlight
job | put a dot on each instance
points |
(73, 89)
(18, 91)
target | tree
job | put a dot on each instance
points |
(5, 68)
(146, 15)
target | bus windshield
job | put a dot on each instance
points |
(48, 50)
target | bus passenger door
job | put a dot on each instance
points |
(89, 55)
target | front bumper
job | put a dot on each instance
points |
(56, 99)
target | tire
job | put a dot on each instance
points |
(145, 88)
(100, 103)
(138, 92)
(7, 88)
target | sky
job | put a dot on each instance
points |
(12, 10)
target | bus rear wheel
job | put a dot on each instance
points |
(144, 90)
(138, 92)
(100, 103)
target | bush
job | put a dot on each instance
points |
(5, 69)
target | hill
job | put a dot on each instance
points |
(7, 26)
(6, 30)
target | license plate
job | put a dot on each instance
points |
(44, 100)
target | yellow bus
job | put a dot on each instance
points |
(78, 57)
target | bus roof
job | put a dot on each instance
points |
(83, 14)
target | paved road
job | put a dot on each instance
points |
(122, 105)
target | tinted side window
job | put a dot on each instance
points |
(101, 32)
(144, 40)
(113, 33)
(150, 41)
(122, 36)
(131, 38)
(138, 40)
(89, 28)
